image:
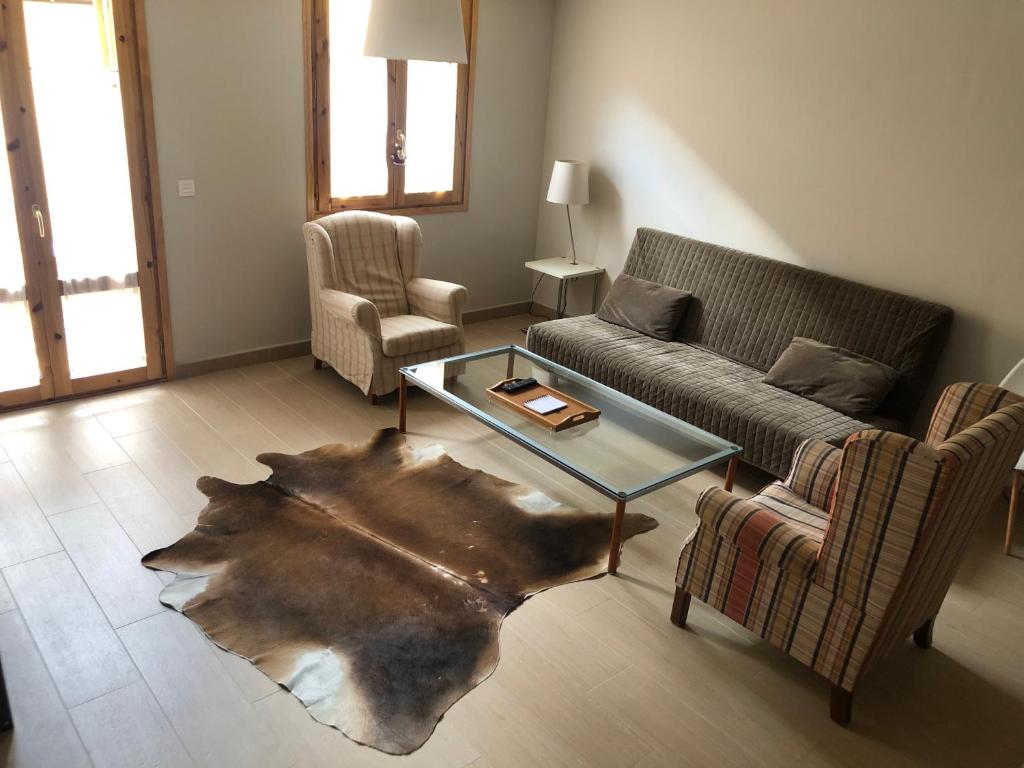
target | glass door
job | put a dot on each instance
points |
(71, 75)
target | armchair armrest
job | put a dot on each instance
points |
(352, 309)
(814, 472)
(436, 299)
(758, 531)
(888, 486)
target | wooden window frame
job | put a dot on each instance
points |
(318, 114)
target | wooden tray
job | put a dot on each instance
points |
(574, 414)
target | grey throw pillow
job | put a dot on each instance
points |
(833, 376)
(650, 308)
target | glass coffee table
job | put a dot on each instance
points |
(630, 450)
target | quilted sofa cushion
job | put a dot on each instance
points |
(722, 396)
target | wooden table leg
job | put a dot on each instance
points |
(1011, 520)
(401, 403)
(616, 545)
(730, 473)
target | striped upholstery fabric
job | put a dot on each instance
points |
(980, 445)
(895, 514)
(435, 299)
(366, 259)
(759, 532)
(371, 313)
(794, 509)
(408, 334)
(888, 484)
(963, 405)
(814, 472)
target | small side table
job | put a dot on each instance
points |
(566, 272)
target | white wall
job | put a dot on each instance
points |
(228, 101)
(874, 140)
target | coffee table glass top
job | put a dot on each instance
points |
(630, 450)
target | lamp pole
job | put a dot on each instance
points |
(572, 240)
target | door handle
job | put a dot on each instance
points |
(40, 222)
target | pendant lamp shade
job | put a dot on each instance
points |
(570, 183)
(426, 30)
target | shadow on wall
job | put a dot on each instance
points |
(672, 187)
(603, 218)
(664, 184)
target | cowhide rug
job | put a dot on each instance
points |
(371, 581)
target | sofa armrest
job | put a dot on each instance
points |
(436, 299)
(814, 472)
(757, 531)
(352, 309)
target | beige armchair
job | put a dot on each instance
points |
(371, 312)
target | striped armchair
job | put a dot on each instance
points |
(856, 549)
(372, 314)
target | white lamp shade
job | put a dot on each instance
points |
(570, 183)
(427, 30)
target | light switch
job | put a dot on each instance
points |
(186, 188)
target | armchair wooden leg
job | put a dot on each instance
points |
(374, 400)
(841, 705)
(923, 634)
(680, 607)
(318, 363)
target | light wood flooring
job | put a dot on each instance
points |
(591, 674)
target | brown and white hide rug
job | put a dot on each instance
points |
(371, 581)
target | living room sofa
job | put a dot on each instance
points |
(745, 311)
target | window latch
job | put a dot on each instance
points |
(40, 222)
(398, 154)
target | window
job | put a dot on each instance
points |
(362, 110)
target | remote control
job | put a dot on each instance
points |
(517, 386)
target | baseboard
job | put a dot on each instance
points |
(541, 312)
(297, 348)
(239, 359)
(494, 313)
(534, 309)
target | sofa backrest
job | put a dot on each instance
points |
(749, 308)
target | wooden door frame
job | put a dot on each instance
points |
(140, 135)
(37, 257)
(19, 118)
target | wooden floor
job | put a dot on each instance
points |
(591, 674)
